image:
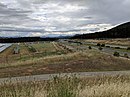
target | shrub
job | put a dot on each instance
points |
(31, 49)
(117, 54)
(102, 45)
(126, 55)
(117, 48)
(108, 46)
(90, 47)
(128, 48)
(100, 48)
(98, 44)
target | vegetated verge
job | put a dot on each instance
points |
(89, 60)
(70, 86)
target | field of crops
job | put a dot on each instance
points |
(20, 52)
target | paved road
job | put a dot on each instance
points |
(4, 46)
(49, 76)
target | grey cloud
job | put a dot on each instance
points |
(14, 16)
(111, 11)
(22, 13)
(20, 30)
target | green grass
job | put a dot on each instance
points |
(29, 52)
(44, 47)
(32, 49)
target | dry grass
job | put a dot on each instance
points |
(105, 86)
(51, 59)
(44, 49)
(93, 57)
(70, 86)
(117, 89)
(86, 61)
(8, 51)
(23, 49)
(113, 41)
(80, 61)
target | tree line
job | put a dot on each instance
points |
(24, 39)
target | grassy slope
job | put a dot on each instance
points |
(89, 60)
(44, 49)
(24, 50)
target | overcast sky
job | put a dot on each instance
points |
(60, 17)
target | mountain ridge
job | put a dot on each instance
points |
(120, 31)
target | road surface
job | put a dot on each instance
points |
(4, 46)
(50, 76)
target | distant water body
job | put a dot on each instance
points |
(4, 46)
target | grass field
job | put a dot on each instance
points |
(89, 60)
(29, 51)
(62, 57)
(57, 57)
(70, 86)
(119, 41)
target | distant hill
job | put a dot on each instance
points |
(30, 39)
(121, 31)
(24, 39)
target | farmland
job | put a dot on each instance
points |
(60, 56)
(100, 70)
(26, 51)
